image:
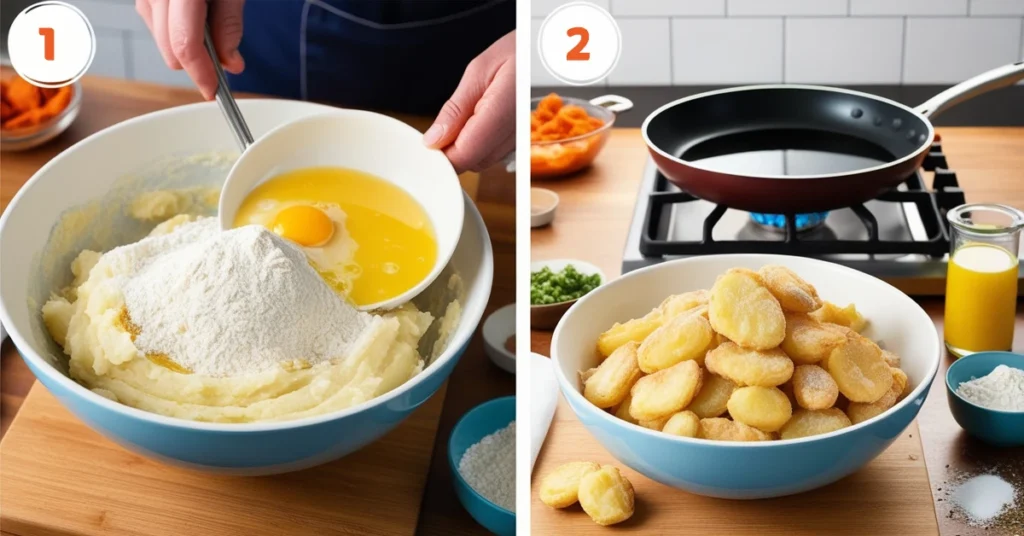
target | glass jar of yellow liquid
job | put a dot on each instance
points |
(981, 282)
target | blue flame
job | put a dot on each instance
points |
(803, 221)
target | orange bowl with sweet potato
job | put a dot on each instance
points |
(31, 115)
(566, 134)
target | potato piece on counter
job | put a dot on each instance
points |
(742, 366)
(720, 429)
(665, 392)
(606, 496)
(764, 408)
(685, 337)
(814, 388)
(808, 341)
(713, 396)
(810, 422)
(794, 294)
(743, 310)
(560, 488)
(684, 423)
(859, 370)
(844, 316)
(611, 382)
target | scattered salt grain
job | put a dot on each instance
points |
(489, 467)
(983, 498)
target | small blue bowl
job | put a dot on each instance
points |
(477, 423)
(993, 426)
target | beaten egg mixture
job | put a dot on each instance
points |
(87, 317)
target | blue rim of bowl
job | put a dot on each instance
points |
(454, 464)
(571, 391)
(454, 347)
(949, 388)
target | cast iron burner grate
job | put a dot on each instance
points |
(931, 205)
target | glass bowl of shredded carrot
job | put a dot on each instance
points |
(566, 134)
(29, 115)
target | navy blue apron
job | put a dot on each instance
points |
(401, 56)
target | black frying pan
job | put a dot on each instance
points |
(880, 142)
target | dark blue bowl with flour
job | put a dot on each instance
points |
(996, 427)
(476, 424)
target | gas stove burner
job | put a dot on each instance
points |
(777, 222)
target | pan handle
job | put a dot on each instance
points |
(983, 83)
(613, 103)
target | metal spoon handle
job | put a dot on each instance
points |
(227, 103)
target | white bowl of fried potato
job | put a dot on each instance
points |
(746, 376)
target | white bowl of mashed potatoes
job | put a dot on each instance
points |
(159, 174)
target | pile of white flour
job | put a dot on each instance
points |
(233, 303)
(489, 467)
(1001, 389)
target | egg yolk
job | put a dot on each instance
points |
(305, 225)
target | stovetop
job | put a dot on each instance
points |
(901, 237)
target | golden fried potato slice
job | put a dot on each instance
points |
(814, 388)
(560, 488)
(859, 370)
(621, 410)
(686, 336)
(720, 429)
(684, 423)
(794, 294)
(656, 424)
(713, 396)
(809, 341)
(635, 330)
(844, 316)
(606, 496)
(787, 388)
(891, 358)
(680, 303)
(764, 408)
(743, 310)
(750, 367)
(665, 392)
(899, 378)
(613, 379)
(861, 411)
(810, 422)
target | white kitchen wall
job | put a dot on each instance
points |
(850, 42)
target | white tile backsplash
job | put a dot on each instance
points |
(836, 50)
(540, 8)
(964, 48)
(148, 64)
(726, 51)
(908, 7)
(997, 7)
(110, 59)
(740, 8)
(668, 8)
(646, 58)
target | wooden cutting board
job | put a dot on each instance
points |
(890, 496)
(59, 477)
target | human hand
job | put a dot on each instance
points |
(476, 127)
(178, 26)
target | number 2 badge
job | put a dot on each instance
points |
(579, 43)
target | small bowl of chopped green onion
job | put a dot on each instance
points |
(555, 285)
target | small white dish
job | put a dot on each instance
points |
(497, 329)
(547, 316)
(543, 204)
(370, 142)
(543, 399)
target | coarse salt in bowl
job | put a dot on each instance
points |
(737, 470)
(122, 161)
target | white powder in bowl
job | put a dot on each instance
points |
(489, 467)
(1001, 389)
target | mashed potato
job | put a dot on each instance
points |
(86, 319)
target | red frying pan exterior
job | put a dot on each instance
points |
(785, 195)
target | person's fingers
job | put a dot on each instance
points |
(186, 20)
(158, 11)
(498, 154)
(490, 125)
(143, 9)
(226, 27)
(459, 108)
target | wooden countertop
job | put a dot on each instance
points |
(108, 101)
(593, 219)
